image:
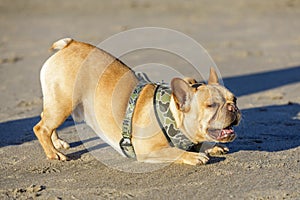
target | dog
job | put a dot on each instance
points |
(94, 86)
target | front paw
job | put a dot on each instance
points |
(192, 158)
(217, 149)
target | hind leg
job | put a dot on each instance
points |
(45, 130)
(58, 142)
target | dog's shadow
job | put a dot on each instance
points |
(215, 159)
(270, 128)
(19, 131)
(97, 144)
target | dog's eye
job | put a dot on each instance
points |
(211, 105)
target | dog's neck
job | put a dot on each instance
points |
(179, 118)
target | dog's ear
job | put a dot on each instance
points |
(182, 93)
(213, 77)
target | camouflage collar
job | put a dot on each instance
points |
(125, 142)
(164, 116)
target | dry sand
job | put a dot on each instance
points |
(256, 45)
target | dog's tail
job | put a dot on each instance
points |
(60, 44)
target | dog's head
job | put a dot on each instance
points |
(204, 112)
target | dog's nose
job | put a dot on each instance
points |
(232, 108)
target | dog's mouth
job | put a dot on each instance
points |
(222, 135)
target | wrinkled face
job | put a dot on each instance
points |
(205, 112)
(216, 114)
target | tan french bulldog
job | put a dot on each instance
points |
(95, 87)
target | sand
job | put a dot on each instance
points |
(256, 46)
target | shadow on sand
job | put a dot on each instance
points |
(19, 131)
(271, 128)
(258, 82)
